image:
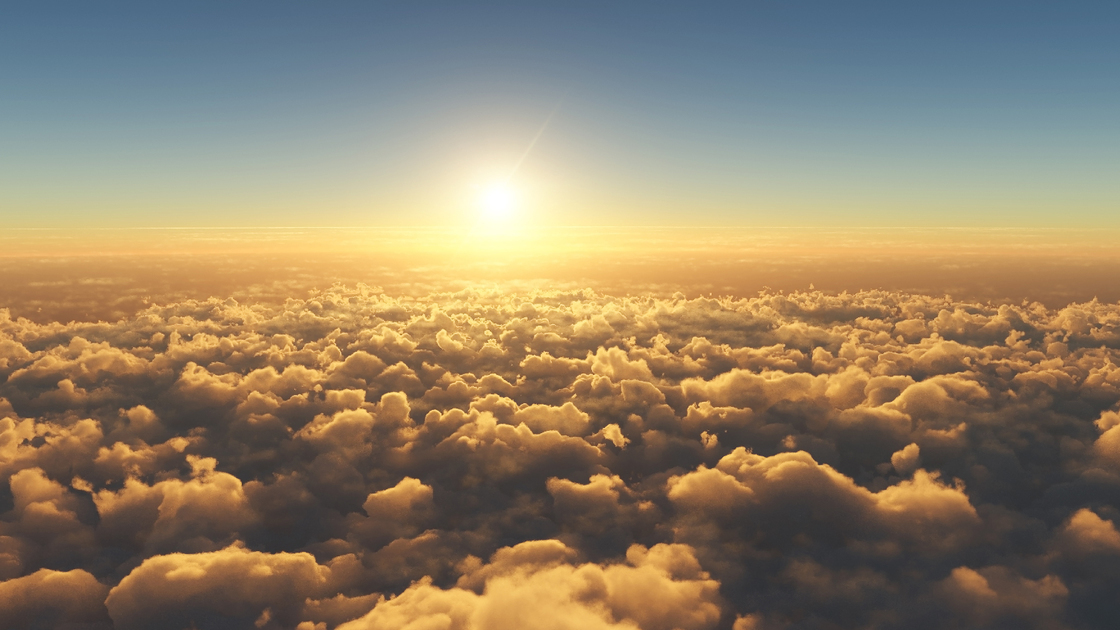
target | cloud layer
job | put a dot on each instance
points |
(563, 460)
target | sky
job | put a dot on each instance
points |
(636, 114)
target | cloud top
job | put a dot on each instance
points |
(483, 459)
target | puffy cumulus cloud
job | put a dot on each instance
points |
(394, 513)
(54, 599)
(1087, 533)
(781, 500)
(998, 596)
(907, 459)
(233, 585)
(536, 585)
(604, 512)
(873, 460)
(198, 514)
(1107, 445)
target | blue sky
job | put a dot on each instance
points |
(791, 113)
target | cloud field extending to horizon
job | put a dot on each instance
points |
(495, 459)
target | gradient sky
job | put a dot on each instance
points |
(752, 113)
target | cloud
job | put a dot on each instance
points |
(55, 599)
(230, 584)
(198, 514)
(998, 595)
(1089, 533)
(490, 459)
(536, 584)
(906, 460)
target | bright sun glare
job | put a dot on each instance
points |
(498, 202)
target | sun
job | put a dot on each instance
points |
(498, 202)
